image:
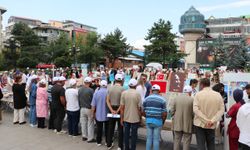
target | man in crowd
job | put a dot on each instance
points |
(52, 109)
(147, 84)
(113, 103)
(193, 84)
(243, 121)
(182, 112)
(58, 104)
(154, 109)
(85, 95)
(131, 114)
(208, 107)
(246, 93)
(100, 112)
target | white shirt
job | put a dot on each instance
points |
(243, 122)
(24, 78)
(71, 95)
(142, 91)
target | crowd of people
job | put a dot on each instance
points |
(101, 103)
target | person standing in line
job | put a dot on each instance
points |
(41, 104)
(1, 96)
(59, 104)
(154, 109)
(193, 84)
(233, 131)
(32, 100)
(141, 89)
(52, 109)
(113, 103)
(20, 100)
(85, 95)
(148, 86)
(99, 109)
(206, 118)
(182, 113)
(73, 108)
(243, 121)
(130, 114)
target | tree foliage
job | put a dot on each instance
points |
(57, 52)
(162, 48)
(114, 45)
(30, 49)
(90, 50)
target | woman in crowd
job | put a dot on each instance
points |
(233, 130)
(73, 108)
(41, 104)
(32, 100)
(141, 89)
(20, 100)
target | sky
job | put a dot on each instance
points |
(132, 17)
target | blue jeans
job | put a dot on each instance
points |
(133, 127)
(153, 136)
(73, 121)
(32, 115)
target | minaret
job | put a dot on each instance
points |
(192, 27)
(2, 11)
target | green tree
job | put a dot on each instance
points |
(238, 56)
(162, 48)
(30, 49)
(90, 50)
(114, 45)
(57, 52)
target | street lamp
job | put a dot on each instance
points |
(74, 50)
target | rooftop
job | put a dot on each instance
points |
(70, 21)
(25, 18)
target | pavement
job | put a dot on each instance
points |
(24, 137)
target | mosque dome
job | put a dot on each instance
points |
(192, 22)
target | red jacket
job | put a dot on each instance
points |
(233, 131)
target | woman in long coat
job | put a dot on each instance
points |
(41, 104)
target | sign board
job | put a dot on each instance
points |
(162, 84)
(177, 81)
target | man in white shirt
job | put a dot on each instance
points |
(243, 121)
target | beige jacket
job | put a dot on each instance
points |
(208, 106)
(182, 109)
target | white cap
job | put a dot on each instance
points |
(118, 77)
(72, 82)
(187, 89)
(55, 79)
(43, 81)
(103, 83)
(132, 82)
(156, 87)
(62, 78)
(88, 80)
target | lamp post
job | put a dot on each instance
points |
(74, 50)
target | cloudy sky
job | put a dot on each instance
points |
(133, 17)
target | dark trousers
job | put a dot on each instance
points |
(244, 147)
(73, 121)
(41, 122)
(99, 133)
(111, 130)
(205, 138)
(52, 117)
(60, 114)
(133, 129)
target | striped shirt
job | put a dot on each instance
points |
(154, 105)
